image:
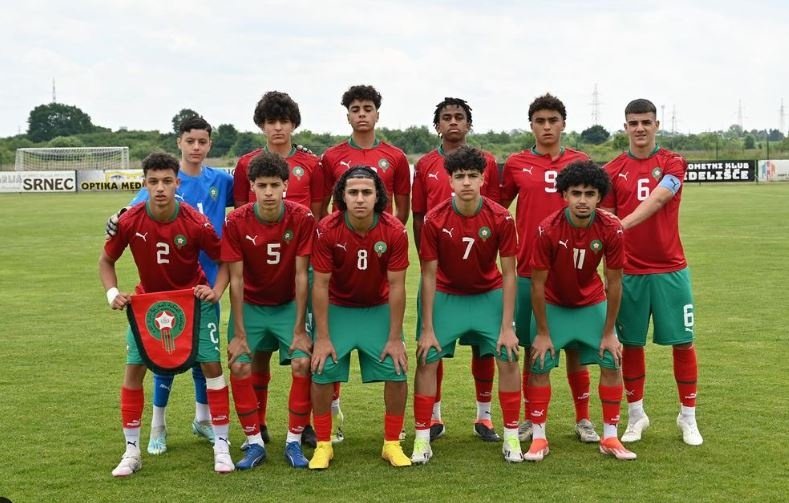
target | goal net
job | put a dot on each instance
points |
(76, 158)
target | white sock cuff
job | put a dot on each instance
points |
(215, 383)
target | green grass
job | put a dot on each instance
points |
(63, 352)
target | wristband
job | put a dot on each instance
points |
(111, 294)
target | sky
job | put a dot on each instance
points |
(136, 63)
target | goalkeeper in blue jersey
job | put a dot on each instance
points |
(210, 191)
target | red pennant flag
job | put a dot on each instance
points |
(166, 327)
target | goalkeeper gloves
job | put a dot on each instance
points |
(111, 227)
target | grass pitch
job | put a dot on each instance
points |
(63, 353)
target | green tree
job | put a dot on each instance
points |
(620, 141)
(224, 138)
(56, 119)
(184, 114)
(750, 142)
(775, 135)
(65, 142)
(595, 135)
(246, 142)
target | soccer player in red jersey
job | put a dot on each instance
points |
(462, 239)
(452, 120)
(364, 148)
(360, 255)
(531, 176)
(278, 116)
(165, 238)
(266, 249)
(646, 194)
(571, 305)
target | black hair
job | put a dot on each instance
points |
(194, 122)
(640, 106)
(360, 171)
(267, 164)
(547, 102)
(465, 158)
(361, 93)
(159, 161)
(448, 102)
(277, 105)
(583, 173)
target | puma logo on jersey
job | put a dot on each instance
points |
(537, 413)
(450, 231)
(527, 170)
(620, 231)
(347, 164)
(433, 175)
(508, 217)
(623, 175)
(249, 238)
(142, 236)
(344, 246)
(540, 230)
(564, 243)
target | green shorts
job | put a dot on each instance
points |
(473, 319)
(667, 298)
(523, 312)
(269, 329)
(365, 329)
(208, 339)
(578, 328)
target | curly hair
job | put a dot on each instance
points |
(158, 160)
(465, 158)
(448, 102)
(267, 164)
(194, 122)
(640, 106)
(360, 171)
(547, 102)
(361, 93)
(277, 105)
(583, 173)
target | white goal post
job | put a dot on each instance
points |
(75, 158)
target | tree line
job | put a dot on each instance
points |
(60, 125)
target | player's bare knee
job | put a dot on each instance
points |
(300, 367)
(211, 369)
(240, 370)
(610, 377)
(686, 345)
(133, 376)
(261, 362)
(540, 379)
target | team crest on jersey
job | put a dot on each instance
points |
(380, 248)
(287, 236)
(213, 192)
(656, 172)
(180, 241)
(383, 164)
(298, 172)
(596, 246)
(484, 233)
(165, 321)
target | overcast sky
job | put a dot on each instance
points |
(135, 63)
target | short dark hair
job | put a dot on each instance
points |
(267, 164)
(640, 106)
(361, 93)
(360, 171)
(583, 173)
(448, 102)
(194, 122)
(547, 102)
(465, 158)
(277, 105)
(159, 161)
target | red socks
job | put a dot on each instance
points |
(393, 425)
(611, 397)
(633, 372)
(132, 402)
(525, 386)
(246, 404)
(219, 406)
(423, 411)
(299, 404)
(538, 397)
(483, 370)
(439, 378)
(336, 394)
(510, 402)
(322, 424)
(260, 384)
(686, 373)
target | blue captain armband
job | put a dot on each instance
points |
(671, 183)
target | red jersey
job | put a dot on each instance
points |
(305, 181)
(467, 248)
(268, 250)
(165, 253)
(389, 161)
(431, 181)
(531, 177)
(571, 255)
(654, 245)
(359, 264)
